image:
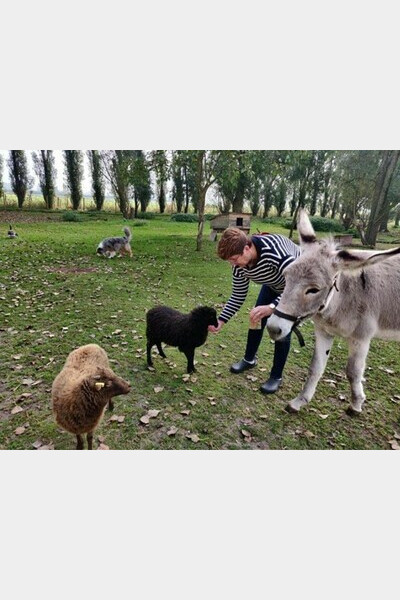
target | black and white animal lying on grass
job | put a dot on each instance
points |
(185, 331)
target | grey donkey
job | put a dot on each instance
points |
(353, 294)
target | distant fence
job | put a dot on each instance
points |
(9, 200)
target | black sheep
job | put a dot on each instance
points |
(186, 331)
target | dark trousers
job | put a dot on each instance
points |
(254, 337)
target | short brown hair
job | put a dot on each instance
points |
(232, 242)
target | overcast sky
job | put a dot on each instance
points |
(59, 162)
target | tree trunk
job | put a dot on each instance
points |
(237, 204)
(201, 208)
(397, 216)
(380, 197)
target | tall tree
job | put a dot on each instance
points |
(44, 165)
(73, 160)
(379, 202)
(327, 177)
(141, 181)
(19, 175)
(317, 179)
(118, 167)
(1, 176)
(280, 201)
(159, 164)
(177, 176)
(98, 183)
(207, 165)
(301, 168)
(352, 184)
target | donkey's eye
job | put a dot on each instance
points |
(312, 290)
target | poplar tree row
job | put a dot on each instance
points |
(360, 188)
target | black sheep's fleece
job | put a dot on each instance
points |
(185, 331)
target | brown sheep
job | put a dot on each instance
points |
(82, 390)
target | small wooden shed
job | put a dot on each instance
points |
(222, 222)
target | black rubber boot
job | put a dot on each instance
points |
(271, 386)
(242, 365)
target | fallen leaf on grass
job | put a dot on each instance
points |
(46, 447)
(186, 377)
(251, 378)
(394, 444)
(172, 431)
(103, 447)
(119, 418)
(309, 434)
(158, 388)
(27, 381)
(193, 436)
(150, 368)
(246, 434)
(153, 413)
(19, 430)
(323, 416)
(16, 409)
(185, 412)
(37, 444)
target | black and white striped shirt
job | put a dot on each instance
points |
(275, 253)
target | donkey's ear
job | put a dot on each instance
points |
(355, 259)
(305, 229)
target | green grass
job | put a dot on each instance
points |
(56, 294)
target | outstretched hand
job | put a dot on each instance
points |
(214, 329)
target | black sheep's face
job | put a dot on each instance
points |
(208, 315)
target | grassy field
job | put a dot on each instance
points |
(56, 294)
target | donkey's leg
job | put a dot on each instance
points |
(358, 350)
(89, 437)
(79, 442)
(323, 344)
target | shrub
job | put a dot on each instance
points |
(324, 224)
(280, 221)
(146, 215)
(184, 218)
(71, 216)
(319, 223)
(137, 223)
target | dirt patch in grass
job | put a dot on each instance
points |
(7, 216)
